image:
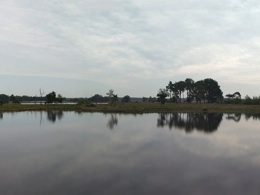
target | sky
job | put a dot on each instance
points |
(85, 47)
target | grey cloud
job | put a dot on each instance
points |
(134, 40)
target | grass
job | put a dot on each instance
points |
(139, 107)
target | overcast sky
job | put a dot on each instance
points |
(84, 47)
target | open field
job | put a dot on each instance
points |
(139, 107)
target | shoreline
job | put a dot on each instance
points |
(139, 107)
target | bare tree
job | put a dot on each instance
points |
(41, 93)
(112, 97)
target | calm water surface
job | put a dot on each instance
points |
(95, 153)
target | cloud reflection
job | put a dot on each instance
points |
(79, 156)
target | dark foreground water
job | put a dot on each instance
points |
(93, 153)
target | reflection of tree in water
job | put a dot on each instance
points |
(1, 115)
(255, 116)
(53, 115)
(112, 121)
(235, 117)
(206, 122)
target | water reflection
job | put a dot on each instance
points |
(206, 122)
(235, 117)
(53, 115)
(78, 155)
(112, 121)
(255, 116)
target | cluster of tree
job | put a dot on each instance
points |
(206, 90)
(51, 98)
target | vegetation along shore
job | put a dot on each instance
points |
(135, 107)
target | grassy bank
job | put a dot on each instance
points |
(136, 108)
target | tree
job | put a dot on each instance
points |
(180, 87)
(234, 98)
(189, 86)
(12, 98)
(248, 100)
(112, 97)
(41, 93)
(173, 90)
(59, 98)
(15, 99)
(97, 98)
(162, 94)
(51, 97)
(199, 91)
(4, 99)
(169, 88)
(230, 96)
(126, 98)
(213, 91)
(203, 90)
(237, 95)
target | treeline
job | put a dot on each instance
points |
(251, 101)
(18, 99)
(49, 98)
(189, 91)
(97, 98)
(206, 90)
(235, 98)
(52, 97)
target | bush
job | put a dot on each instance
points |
(86, 103)
(126, 99)
(252, 101)
(256, 100)
(248, 100)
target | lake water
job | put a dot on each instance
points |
(95, 153)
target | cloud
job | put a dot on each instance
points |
(129, 41)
